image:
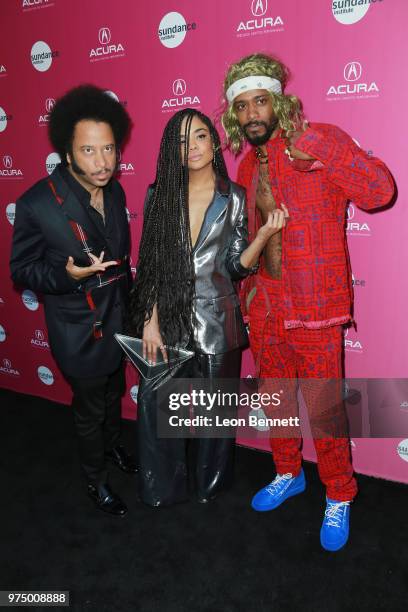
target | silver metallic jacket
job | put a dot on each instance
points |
(222, 238)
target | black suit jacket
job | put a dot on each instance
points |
(51, 224)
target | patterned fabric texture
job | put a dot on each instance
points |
(316, 274)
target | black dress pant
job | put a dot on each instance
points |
(97, 415)
(163, 467)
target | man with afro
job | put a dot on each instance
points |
(71, 243)
(301, 296)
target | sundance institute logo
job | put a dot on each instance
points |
(45, 375)
(348, 12)
(173, 29)
(41, 56)
(133, 393)
(402, 450)
(11, 212)
(30, 299)
(52, 161)
(4, 119)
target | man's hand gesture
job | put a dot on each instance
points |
(291, 151)
(275, 222)
(78, 273)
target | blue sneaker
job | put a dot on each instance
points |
(335, 528)
(273, 495)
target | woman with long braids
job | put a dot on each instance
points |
(193, 247)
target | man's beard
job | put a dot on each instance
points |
(258, 141)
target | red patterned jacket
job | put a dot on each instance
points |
(316, 272)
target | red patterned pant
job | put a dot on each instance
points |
(302, 354)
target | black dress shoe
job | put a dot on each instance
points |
(122, 459)
(206, 500)
(106, 500)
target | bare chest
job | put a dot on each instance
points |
(265, 202)
(98, 204)
(198, 205)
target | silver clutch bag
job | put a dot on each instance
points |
(133, 347)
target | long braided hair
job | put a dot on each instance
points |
(165, 269)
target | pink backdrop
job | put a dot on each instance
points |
(347, 64)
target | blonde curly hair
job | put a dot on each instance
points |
(287, 108)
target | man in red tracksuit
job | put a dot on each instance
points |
(301, 295)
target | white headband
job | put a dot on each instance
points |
(253, 82)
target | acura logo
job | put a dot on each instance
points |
(179, 87)
(49, 104)
(39, 334)
(352, 71)
(7, 363)
(259, 7)
(104, 36)
(351, 211)
(7, 161)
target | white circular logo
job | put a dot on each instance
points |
(11, 212)
(2, 334)
(52, 162)
(259, 7)
(30, 300)
(112, 94)
(179, 87)
(39, 334)
(402, 449)
(45, 375)
(352, 71)
(133, 393)
(3, 119)
(172, 30)
(349, 15)
(351, 211)
(41, 56)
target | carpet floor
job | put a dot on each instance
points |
(218, 557)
